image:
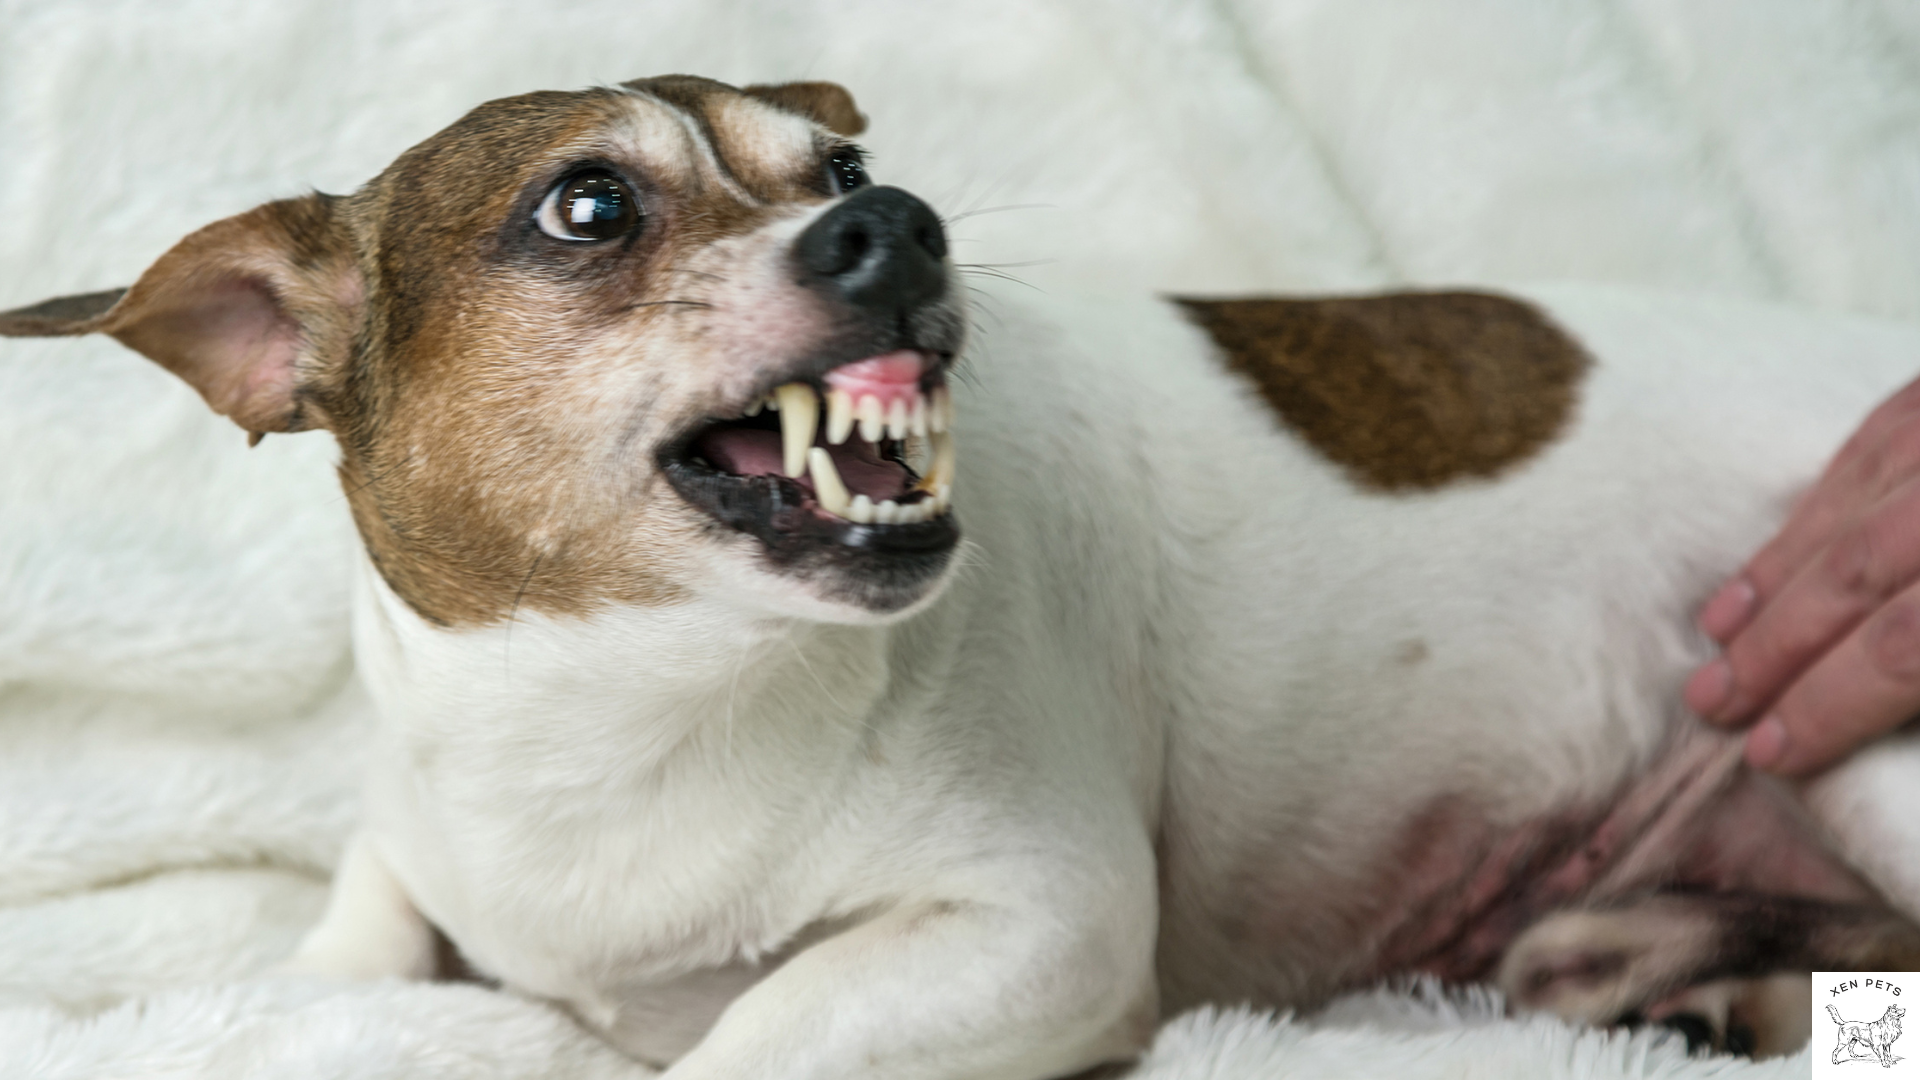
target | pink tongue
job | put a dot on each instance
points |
(756, 452)
(743, 451)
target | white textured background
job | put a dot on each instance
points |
(176, 746)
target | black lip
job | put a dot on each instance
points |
(879, 567)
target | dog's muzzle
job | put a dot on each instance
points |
(843, 460)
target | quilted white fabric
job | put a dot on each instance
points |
(178, 720)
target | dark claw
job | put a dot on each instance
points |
(1698, 1032)
(1740, 1039)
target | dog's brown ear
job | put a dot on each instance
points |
(829, 103)
(244, 310)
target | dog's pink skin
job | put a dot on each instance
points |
(1465, 888)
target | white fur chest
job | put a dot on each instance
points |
(586, 824)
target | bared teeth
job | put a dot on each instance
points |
(872, 419)
(940, 473)
(924, 418)
(839, 416)
(828, 488)
(799, 416)
(939, 410)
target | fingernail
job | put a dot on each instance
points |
(1709, 689)
(1728, 609)
(1767, 743)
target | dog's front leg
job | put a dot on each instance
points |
(370, 929)
(942, 991)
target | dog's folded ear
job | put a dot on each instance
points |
(829, 103)
(246, 310)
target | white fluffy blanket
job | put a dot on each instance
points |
(178, 720)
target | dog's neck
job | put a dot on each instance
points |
(644, 685)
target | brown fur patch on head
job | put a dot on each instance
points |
(765, 139)
(476, 470)
(828, 103)
(501, 392)
(500, 424)
(1405, 390)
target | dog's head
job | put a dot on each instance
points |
(547, 338)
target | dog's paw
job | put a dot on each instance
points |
(1639, 965)
(1597, 966)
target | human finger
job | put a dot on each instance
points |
(1863, 688)
(1870, 561)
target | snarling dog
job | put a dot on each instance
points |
(1294, 642)
(1858, 1039)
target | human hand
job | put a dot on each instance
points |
(1820, 632)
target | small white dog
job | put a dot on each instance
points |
(1294, 643)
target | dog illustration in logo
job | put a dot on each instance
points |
(1858, 1039)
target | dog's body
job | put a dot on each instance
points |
(1860, 1039)
(1207, 709)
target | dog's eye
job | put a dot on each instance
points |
(589, 205)
(846, 170)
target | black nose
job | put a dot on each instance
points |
(881, 249)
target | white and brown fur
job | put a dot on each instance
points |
(1293, 643)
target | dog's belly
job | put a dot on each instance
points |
(1452, 888)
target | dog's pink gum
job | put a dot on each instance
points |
(889, 376)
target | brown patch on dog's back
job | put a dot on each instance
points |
(1405, 390)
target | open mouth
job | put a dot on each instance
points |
(863, 457)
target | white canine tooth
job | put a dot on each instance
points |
(914, 513)
(828, 488)
(917, 422)
(839, 416)
(860, 511)
(871, 421)
(940, 473)
(897, 419)
(886, 513)
(799, 415)
(937, 414)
